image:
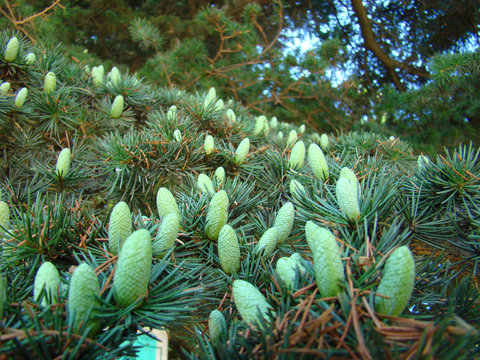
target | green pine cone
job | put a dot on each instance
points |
(242, 151)
(166, 235)
(350, 175)
(166, 203)
(98, 74)
(47, 278)
(397, 283)
(133, 268)
(267, 242)
(209, 144)
(347, 198)
(259, 124)
(284, 221)
(83, 295)
(216, 325)
(21, 97)
(210, 98)
(286, 267)
(4, 218)
(317, 162)
(217, 215)
(297, 156)
(63, 163)
(230, 115)
(324, 142)
(11, 50)
(114, 76)
(49, 83)
(327, 261)
(220, 175)
(292, 137)
(296, 189)
(4, 88)
(205, 184)
(117, 106)
(250, 302)
(228, 250)
(30, 58)
(120, 226)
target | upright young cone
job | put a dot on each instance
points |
(209, 145)
(205, 184)
(48, 280)
(83, 294)
(4, 88)
(49, 83)
(259, 124)
(347, 198)
(286, 268)
(228, 250)
(297, 156)
(317, 162)
(63, 163)
(119, 227)
(324, 142)
(172, 113)
(114, 76)
(220, 175)
(21, 97)
(242, 151)
(11, 49)
(210, 98)
(250, 302)
(327, 261)
(216, 326)
(133, 268)
(117, 107)
(166, 203)
(230, 115)
(98, 74)
(397, 283)
(284, 221)
(217, 215)
(292, 137)
(166, 235)
(352, 178)
(267, 242)
(30, 58)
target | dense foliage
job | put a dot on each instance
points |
(371, 64)
(140, 160)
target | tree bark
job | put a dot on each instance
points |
(371, 44)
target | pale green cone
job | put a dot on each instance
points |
(347, 198)
(172, 113)
(301, 129)
(21, 97)
(117, 106)
(352, 178)
(250, 302)
(4, 218)
(132, 274)
(47, 278)
(83, 296)
(324, 142)
(228, 250)
(114, 76)
(230, 115)
(267, 242)
(219, 105)
(297, 156)
(284, 221)
(397, 283)
(327, 261)
(4, 88)
(11, 49)
(296, 189)
(286, 269)
(317, 162)
(216, 325)
(292, 137)
(166, 203)
(177, 135)
(273, 122)
(63, 163)
(30, 58)
(220, 175)
(259, 124)
(49, 83)
(217, 215)
(120, 226)
(242, 151)
(280, 136)
(166, 235)
(210, 98)
(205, 184)
(209, 145)
(98, 74)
